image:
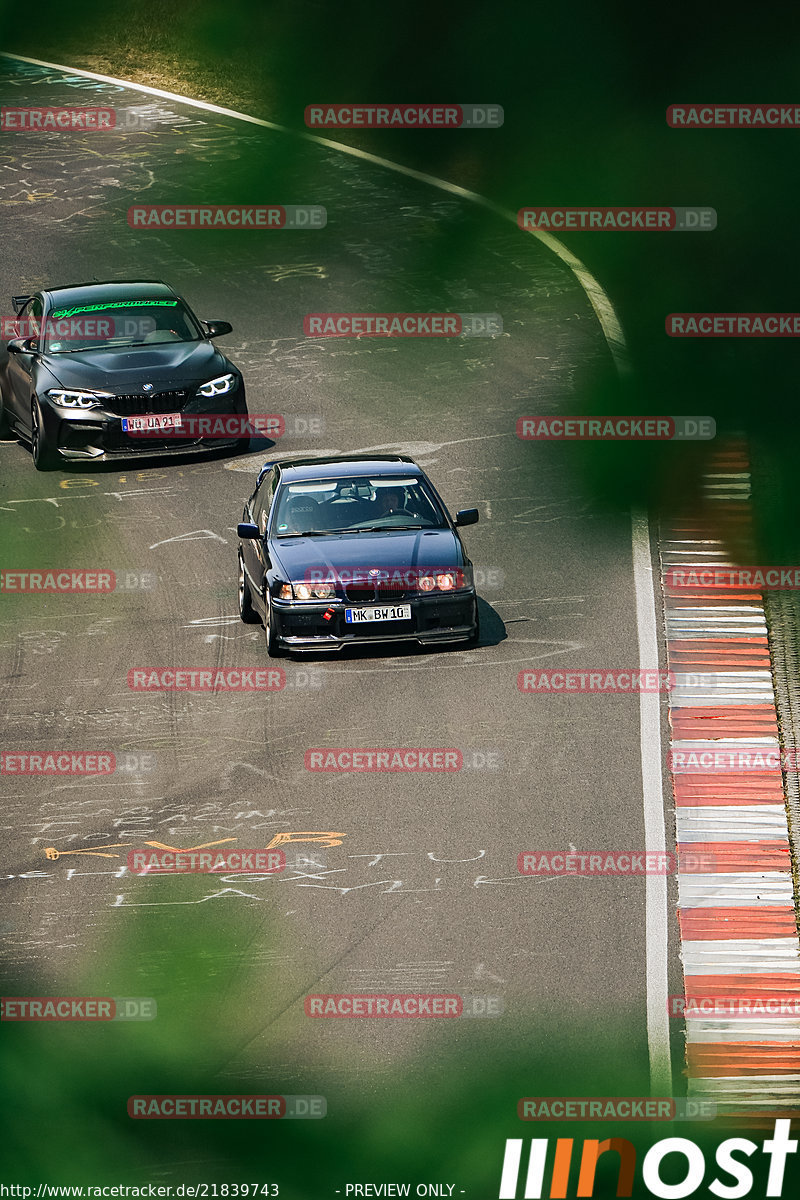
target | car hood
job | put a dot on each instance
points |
(421, 548)
(172, 363)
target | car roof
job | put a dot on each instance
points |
(109, 291)
(344, 466)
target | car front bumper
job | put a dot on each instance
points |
(445, 618)
(96, 435)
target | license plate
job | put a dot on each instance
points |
(396, 612)
(148, 421)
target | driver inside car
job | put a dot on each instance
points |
(390, 502)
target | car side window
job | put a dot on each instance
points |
(263, 500)
(29, 321)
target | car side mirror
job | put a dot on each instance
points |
(247, 532)
(467, 516)
(217, 328)
(22, 346)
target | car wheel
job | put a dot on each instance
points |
(246, 611)
(243, 443)
(44, 456)
(474, 638)
(5, 428)
(270, 636)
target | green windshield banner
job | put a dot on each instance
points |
(58, 313)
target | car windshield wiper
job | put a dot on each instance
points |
(385, 528)
(94, 349)
(308, 533)
(117, 346)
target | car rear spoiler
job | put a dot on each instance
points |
(20, 301)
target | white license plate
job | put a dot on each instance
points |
(396, 612)
(148, 421)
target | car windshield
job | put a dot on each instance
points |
(358, 505)
(108, 325)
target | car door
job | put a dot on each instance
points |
(254, 550)
(21, 363)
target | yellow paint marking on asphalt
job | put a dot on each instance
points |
(51, 852)
(323, 839)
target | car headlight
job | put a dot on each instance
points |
(442, 581)
(217, 387)
(313, 591)
(69, 398)
(306, 591)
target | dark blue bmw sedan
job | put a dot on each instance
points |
(347, 551)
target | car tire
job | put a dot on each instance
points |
(44, 456)
(475, 637)
(242, 444)
(270, 636)
(5, 427)
(246, 611)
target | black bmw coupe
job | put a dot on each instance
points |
(101, 371)
(338, 552)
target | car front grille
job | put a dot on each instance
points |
(137, 405)
(380, 595)
(115, 440)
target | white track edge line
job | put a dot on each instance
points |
(656, 899)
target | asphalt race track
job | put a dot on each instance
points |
(420, 892)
